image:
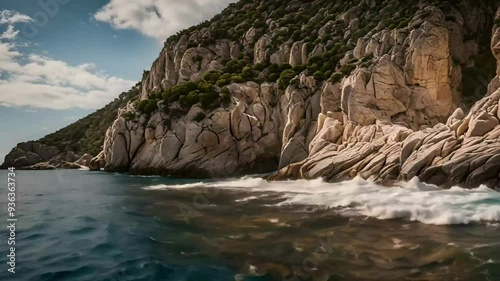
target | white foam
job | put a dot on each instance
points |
(414, 201)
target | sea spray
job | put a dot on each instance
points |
(413, 200)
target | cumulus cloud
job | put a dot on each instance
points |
(38, 81)
(158, 18)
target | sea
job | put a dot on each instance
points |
(89, 226)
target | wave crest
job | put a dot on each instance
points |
(413, 200)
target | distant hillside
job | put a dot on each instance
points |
(87, 134)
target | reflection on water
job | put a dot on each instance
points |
(93, 226)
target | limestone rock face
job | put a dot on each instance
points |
(392, 110)
(261, 50)
(495, 49)
(303, 104)
(178, 63)
(243, 138)
(411, 83)
(464, 151)
(296, 54)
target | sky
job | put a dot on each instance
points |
(60, 60)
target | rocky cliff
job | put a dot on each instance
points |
(465, 150)
(320, 89)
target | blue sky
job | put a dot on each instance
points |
(63, 59)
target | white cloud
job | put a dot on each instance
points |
(158, 18)
(37, 81)
(13, 17)
(9, 34)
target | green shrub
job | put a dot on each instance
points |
(151, 107)
(200, 117)
(247, 73)
(205, 87)
(318, 75)
(223, 82)
(312, 68)
(299, 68)
(316, 59)
(297, 34)
(347, 69)
(129, 116)
(208, 99)
(237, 79)
(212, 76)
(142, 105)
(273, 77)
(387, 21)
(225, 96)
(190, 99)
(234, 66)
(336, 77)
(259, 67)
(190, 86)
(367, 58)
(259, 24)
(285, 66)
(403, 23)
(166, 96)
(274, 68)
(358, 34)
(285, 78)
(219, 33)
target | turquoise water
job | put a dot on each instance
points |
(80, 225)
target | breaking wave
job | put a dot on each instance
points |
(414, 201)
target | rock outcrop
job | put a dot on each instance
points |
(37, 156)
(244, 139)
(97, 163)
(464, 151)
(29, 153)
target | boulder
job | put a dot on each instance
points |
(97, 163)
(84, 160)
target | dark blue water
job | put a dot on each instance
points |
(79, 225)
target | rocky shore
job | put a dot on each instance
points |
(36, 156)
